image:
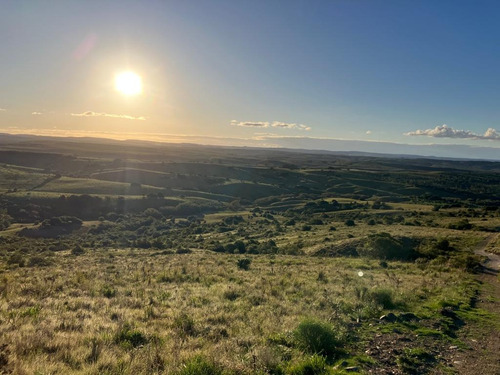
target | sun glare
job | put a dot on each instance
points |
(128, 83)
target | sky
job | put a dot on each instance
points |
(302, 74)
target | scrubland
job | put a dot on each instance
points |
(276, 263)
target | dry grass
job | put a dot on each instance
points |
(67, 318)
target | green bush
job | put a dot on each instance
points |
(244, 264)
(5, 221)
(467, 262)
(200, 366)
(384, 246)
(461, 225)
(77, 250)
(316, 337)
(314, 365)
(349, 223)
(38, 261)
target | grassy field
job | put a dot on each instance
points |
(71, 185)
(19, 178)
(149, 260)
(126, 311)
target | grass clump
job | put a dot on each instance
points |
(128, 337)
(200, 366)
(184, 325)
(108, 292)
(415, 361)
(383, 297)
(16, 259)
(313, 365)
(317, 337)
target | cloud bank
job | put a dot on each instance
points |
(444, 131)
(2, 109)
(36, 113)
(98, 114)
(267, 124)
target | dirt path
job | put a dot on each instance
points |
(492, 265)
(483, 355)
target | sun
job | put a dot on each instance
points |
(128, 83)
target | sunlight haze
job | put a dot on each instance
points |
(416, 73)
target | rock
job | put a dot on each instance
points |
(390, 318)
(453, 347)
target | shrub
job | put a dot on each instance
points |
(461, 225)
(108, 291)
(467, 262)
(433, 249)
(350, 223)
(314, 365)
(5, 221)
(231, 295)
(240, 245)
(316, 337)
(443, 245)
(316, 222)
(16, 258)
(244, 264)
(77, 250)
(384, 246)
(200, 366)
(38, 261)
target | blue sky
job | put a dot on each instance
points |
(385, 71)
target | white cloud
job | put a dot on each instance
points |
(274, 124)
(287, 125)
(36, 113)
(444, 131)
(491, 134)
(98, 114)
(368, 132)
(2, 109)
(251, 124)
